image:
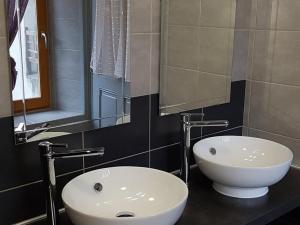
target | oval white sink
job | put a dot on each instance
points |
(130, 196)
(242, 167)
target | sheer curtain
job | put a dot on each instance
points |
(13, 8)
(111, 45)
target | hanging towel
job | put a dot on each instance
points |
(111, 40)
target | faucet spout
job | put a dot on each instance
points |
(187, 123)
(79, 153)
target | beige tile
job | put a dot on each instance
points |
(5, 86)
(286, 66)
(208, 82)
(155, 63)
(266, 14)
(216, 50)
(241, 54)
(185, 12)
(216, 13)
(181, 86)
(293, 144)
(155, 16)
(2, 19)
(274, 109)
(140, 64)
(141, 16)
(288, 15)
(182, 47)
(263, 55)
(245, 14)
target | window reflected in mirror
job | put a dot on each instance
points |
(70, 65)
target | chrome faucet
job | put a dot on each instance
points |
(187, 123)
(48, 156)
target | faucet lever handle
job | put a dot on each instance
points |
(49, 146)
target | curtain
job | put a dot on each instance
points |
(111, 45)
(12, 25)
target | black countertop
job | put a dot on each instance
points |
(207, 207)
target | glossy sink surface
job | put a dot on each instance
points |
(240, 166)
(129, 195)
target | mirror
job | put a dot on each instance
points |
(69, 65)
(196, 53)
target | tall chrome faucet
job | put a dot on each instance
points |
(48, 156)
(187, 123)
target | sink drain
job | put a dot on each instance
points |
(125, 214)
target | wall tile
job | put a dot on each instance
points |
(288, 15)
(181, 86)
(286, 67)
(245, 14)
(66, 34)
(266, 14)
(263, 55)
(156, 4)
(183, 14)
(215, 50)
(2, 19)
(5, 89)
(215, 13)
(155, 63)
(140, 64)
(167, 159)
(22, 203)
(272, 103)
(141, 16)
(183, 48)
(241, 54)
(209, 81)
(60, 11)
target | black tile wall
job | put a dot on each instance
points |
(149, 140)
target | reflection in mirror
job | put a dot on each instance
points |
(197, 50)
(69, 65)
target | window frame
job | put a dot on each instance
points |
(44, 101)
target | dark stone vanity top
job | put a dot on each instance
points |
(207, 207)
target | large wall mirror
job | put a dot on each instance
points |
(197, 39)
(69, 65)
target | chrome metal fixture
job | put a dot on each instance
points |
(187, 123)
(48, 156)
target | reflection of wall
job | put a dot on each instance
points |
(67, 54)
(273, 86)
(197, 55)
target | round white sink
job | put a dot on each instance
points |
(242, 167)
(125, 196)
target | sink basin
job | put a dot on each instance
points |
(242, 167)
(125, 196)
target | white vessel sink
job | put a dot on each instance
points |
(130, 196)
(242, 167)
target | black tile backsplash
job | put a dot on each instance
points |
(149, 140)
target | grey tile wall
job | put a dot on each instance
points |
(273, 88)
